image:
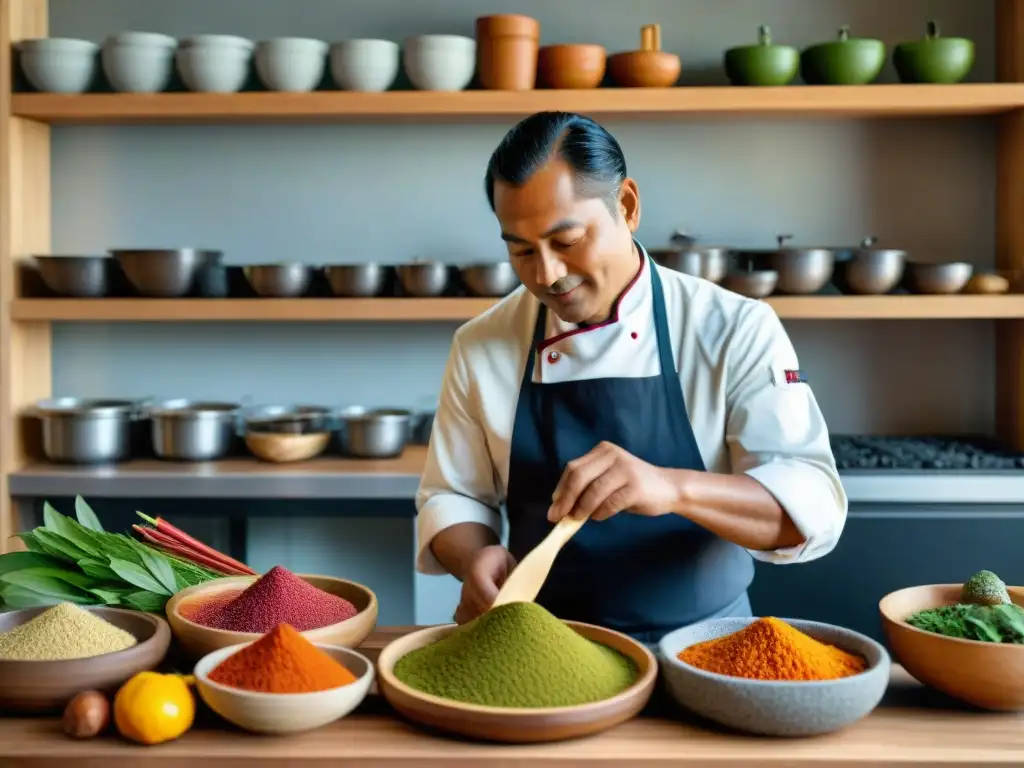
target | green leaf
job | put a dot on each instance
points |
(56, 545)
(19, 561)
(86, 517)
(73, 578)
(70, 530)
(1011, 618)
(137, 575)
(108, 596)
(146, 601)
(49, 586)
(18, 597)
(98, 569)
(985, 630)
(160, 568)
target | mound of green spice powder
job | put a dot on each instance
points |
(517, 655)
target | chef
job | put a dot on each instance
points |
(670, 412)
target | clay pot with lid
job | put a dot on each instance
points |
(507, 47)
(650, 67)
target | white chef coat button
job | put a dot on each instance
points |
(554, 357)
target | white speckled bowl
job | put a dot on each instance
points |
(58, 64)
(138, 62)
(770, 708)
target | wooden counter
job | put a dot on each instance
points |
(913, 726)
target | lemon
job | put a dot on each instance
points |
(152, 708)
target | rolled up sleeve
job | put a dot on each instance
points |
(458, 483)
(777, 435)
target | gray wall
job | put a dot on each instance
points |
(391, 193)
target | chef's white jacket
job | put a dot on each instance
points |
(732, 355)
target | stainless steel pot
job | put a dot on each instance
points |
(279, 281)
(498, 279)
(191, 430)
(802, 270)
(376, 434)
(356, 279)
(165, 273)
(869, 270)
(708, 262)
(288, 419)
(80, 276)
(81, 431)
(427, 278)
(754, 283)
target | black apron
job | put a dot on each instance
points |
(644, 576)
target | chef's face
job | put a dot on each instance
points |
(573, 253)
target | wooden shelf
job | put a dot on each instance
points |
(426, 106)
(460, 309)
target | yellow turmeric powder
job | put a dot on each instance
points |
(770, 649)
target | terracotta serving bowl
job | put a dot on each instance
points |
(279, 713)
(197, 641)
(987, 675)
(47, 686)
(571, 66)
(517, 725)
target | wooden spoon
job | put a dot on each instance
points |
(525, 582)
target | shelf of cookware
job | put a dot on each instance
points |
(424, 106)
(895, 307)
(912, 726)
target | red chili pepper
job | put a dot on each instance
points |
(183, 539)
(162, 543)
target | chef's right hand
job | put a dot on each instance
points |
(487, 572)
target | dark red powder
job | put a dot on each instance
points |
(277, 597)
(199, 609)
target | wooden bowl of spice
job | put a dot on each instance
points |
(239, 609)
(984, 673)
(775, 677)
(48, 655)
(517, 674)
(282, 683)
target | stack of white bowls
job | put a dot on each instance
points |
(138, 62)
(292, 64)
(214, 63)
(58, 64)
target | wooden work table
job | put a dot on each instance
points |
(912, 727)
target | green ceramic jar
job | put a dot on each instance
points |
(763, 63)
(846, 61)
(934, 59)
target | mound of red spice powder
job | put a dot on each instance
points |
(282, 661)
(200, 608)
(277, 597)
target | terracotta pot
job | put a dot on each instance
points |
(507, 51)
(571, 66)
(650, 67)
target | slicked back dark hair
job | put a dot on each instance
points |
(592, 153)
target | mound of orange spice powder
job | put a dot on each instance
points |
(282, 661)
(770, 649)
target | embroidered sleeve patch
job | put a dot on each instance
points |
(794, 377)
(783, 377)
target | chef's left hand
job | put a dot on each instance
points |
(607, 481)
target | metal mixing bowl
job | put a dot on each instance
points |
(708, 262)
(165, 273)
(424, 278)
(80, 276)
(498, 279)
(870, 271)
(938, 278)
(280, 281)
(356, 279)
(803, 270)
(755, 284)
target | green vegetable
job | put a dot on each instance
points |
(75, 560)
(985, 588)
(517, 655)
(1002, 623)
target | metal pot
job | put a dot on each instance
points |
(754, 283)
(498, 279)
(165, 273)
(80, 276)
(870, 271)
(81, 431)
(190, 430)
(356, 279)
(288, 419)
(279, 281)
(710, 262)
(427, 278)
(376, 434)
(802, 270)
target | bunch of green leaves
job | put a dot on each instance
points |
(1002, 623)
(74, 560)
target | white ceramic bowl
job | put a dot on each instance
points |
(58, 64)
(279, 713)
(292, 64)
(364, 65)
(214, 63)
(439, 62)
(138, 62)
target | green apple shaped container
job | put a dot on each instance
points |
(934, 59)
(846, 61)
(762, 64)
